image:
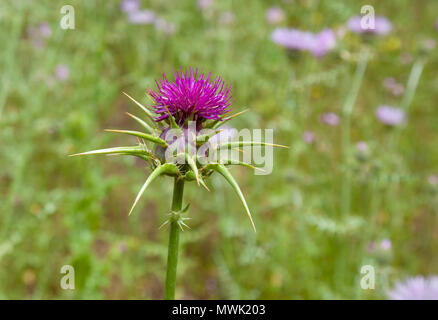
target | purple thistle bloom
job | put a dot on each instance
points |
(129, 6)
(416, 288)
(391, 116)
(141, 17)
(274, 15)
(318, 44)
(330, 118)
(191, 94)
(381, 27)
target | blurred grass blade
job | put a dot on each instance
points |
(143, 135)
(165, 168)
(146, 110)
(227, 175)
(142, 123)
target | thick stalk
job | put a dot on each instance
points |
(172, 255)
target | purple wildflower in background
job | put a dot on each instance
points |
(382, 25)
(44, 30)
(433, 180)
(325, 41)
(130, 5)
(274, 15)
(371, 247)
(391, 116)
(318, 44)
(436, 24)
(308, 137)
(330, 118)
(62, 72)
(362, 146)
(164, 26)
(39, 34)
(385, 244)
(191, 95)
(204, 4)
(227, 18)
(141, 17)
(397, 89)
(416, 288)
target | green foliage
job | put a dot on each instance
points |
(310, 242)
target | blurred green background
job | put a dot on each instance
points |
(60, 89)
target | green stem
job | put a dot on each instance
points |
(172, 256)
(347, 111)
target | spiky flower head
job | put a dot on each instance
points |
(191, 96)
(169, 135)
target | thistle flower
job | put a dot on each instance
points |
(191, 98)
(191, 95)
(416, 288)
(391, 116)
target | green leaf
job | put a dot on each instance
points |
(143, 135)
(227, 175)
(146, 110)
(165, 168)
(142, 123)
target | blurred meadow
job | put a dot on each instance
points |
(352, 190)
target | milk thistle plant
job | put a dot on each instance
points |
(181, 139)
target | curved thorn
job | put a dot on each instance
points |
(146, 110)
(158, 171)
(139, 134)
(115, 150)
(142, 123)
(227, 175)
(243, 164)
